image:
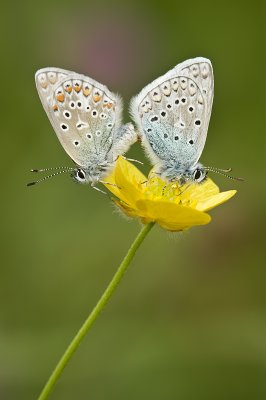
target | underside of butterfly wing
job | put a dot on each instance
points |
(46, 80)
(173, 112)
(85, 115)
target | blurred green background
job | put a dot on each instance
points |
(189, 319)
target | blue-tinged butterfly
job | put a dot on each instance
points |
(86, 117)
(172, 115)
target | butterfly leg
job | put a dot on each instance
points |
(163, 190)
(98, 190)
(185, 188)
(171, 186)
(133, 160)
(109, 183)
(150, 176)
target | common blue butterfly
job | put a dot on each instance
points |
(86, 117)
(172, 115)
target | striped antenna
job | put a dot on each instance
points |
(52, 169)
(62, 170)
(223, 172)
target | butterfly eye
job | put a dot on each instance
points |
(198, 175)
(80, 175)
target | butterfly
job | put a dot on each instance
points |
(86, 118)
(172, 115)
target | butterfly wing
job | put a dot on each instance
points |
(84, 114)
(46, 80)
(173, 112)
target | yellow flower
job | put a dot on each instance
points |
(174, 207)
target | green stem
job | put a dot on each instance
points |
(95, 313)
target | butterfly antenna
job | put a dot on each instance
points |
(223, 172)
(52, 169)
(62, 171)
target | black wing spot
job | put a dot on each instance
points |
(64, 127)
(191, 142)
(67, 114)
(197, 122)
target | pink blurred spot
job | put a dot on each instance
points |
(112, 51)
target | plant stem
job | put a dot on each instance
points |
(95, 313)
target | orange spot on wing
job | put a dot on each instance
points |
(108, 105)
(77, 88)
(55, 107)
(60, 97)
(86, 92)
(68, 89)
(96, 98)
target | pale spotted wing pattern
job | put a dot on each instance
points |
(173, 112)
(46, 80)
(84, 114)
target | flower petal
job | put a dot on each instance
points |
(130, 181)
(173, 206)
(157, 189)
(130, 212)
(170, 215)
(215, 200)
(113, 188)
(125, 181)
(198, 191)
